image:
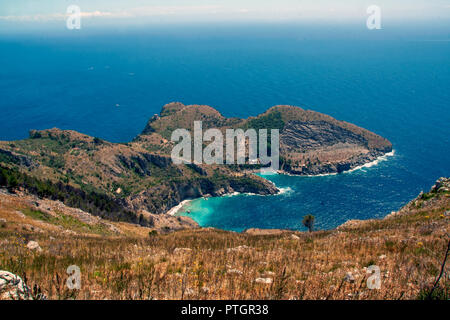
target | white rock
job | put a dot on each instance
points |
(294, 237)
(240, 248)
(264, 280)
(235, 271)
(206, 289)
(33, 245)
(12, 287)
(70, 232)
(20, 214)
(349, 277)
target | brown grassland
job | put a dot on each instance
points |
(135, 263)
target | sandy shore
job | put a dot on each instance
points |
(177, 208)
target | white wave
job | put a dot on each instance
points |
(285, 190)
(231, 194)
(373, 163)
(320, 175)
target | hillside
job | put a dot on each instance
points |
(137, 181)
(124, 261)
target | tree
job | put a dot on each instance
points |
(308, 221)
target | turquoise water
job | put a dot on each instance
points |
(364, 193)
(395, 82)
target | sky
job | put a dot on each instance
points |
(16, 12)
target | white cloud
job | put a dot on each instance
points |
(300, 10)
(58, 16)
(147, 11)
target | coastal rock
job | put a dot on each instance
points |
(176, 193)
(441, 185)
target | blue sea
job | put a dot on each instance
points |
(108, 83)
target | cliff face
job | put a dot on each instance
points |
(120, 181)
(318, 147)
(174, 193)
(305, 136)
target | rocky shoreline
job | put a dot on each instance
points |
(336, 168)
(371, 158)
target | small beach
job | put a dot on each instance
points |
(178, 207)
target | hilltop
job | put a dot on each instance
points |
(137, 181)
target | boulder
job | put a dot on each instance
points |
(34, 246)
(12, 287)
(349, 278)
(264, 280)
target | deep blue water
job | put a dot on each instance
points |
(396, 84)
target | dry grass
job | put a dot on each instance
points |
(213, 264)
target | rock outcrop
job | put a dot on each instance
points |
(12, 287)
